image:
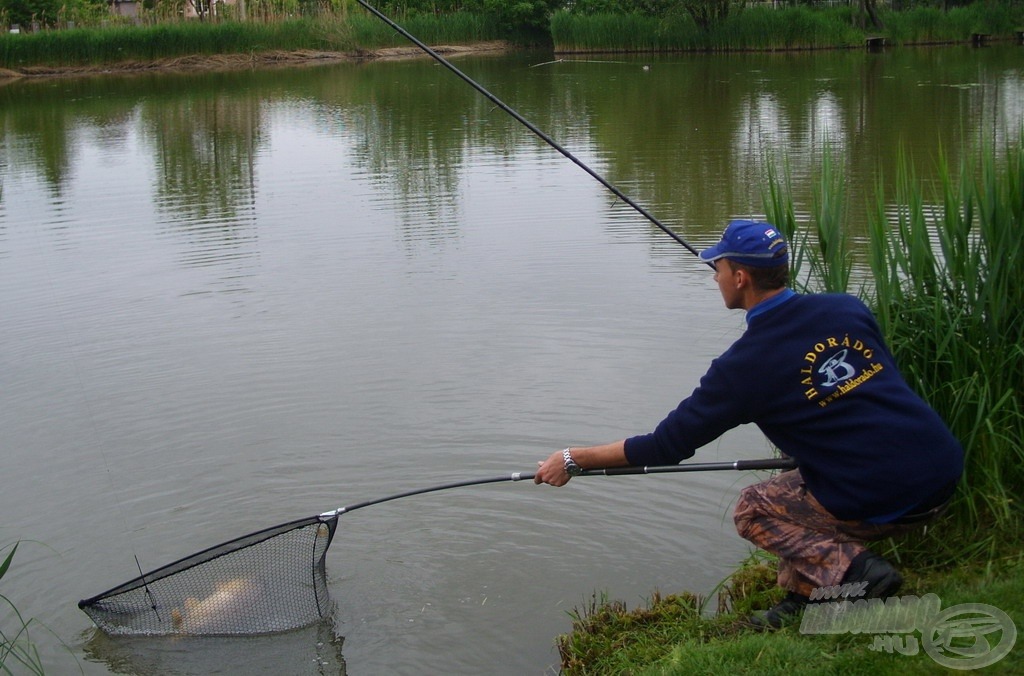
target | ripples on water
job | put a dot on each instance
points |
(232, 301)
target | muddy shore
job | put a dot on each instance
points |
(227, 62)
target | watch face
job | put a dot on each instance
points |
(571, 468)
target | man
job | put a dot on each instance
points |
(814, 374)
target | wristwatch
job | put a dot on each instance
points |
(571, 468)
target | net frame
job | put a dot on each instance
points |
(267, 581)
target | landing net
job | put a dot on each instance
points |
(268, 581)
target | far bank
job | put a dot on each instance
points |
(147, 44)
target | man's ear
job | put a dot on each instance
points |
(742, 278)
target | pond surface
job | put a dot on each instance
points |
(228, 301)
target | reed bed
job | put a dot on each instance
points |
(765, 28)
(88, 46)
(944, 280)
(457, 27)
(623, 32)
(922, 25)
(948, 294)
(762, 27)
(753, 28)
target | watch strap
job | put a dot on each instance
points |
(571, 468)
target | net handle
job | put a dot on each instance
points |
(740, 465)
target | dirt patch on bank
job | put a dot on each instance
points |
(227, 62)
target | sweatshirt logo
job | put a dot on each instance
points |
(828, 373)
(836, 369)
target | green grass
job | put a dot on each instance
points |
(670, 636)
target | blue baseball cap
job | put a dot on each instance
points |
(754, 243)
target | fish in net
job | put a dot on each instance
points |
(269, 581)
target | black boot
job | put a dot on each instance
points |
(786, 611)
(882, 579)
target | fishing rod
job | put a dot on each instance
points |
(739, 465)
(275, 579)
(529, 125)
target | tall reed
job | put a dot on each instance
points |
(822, 258)
(949, 297)
(17, 652)
(455, 27)
(944, 280)
(623, 32)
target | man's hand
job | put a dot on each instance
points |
(552, 471)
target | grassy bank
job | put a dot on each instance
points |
(670, 635)
(943, 277)
(355, 34)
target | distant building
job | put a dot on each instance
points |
(190, 6)
(131, 8)
(125, 7)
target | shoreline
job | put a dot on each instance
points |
(230, 62)
(307, 57)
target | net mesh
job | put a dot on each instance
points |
(268, 581)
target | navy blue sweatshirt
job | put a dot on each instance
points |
(814, 374)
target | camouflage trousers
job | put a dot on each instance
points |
(814, 548)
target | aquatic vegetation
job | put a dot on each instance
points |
(947, 293)
(942, 277)
(768, 28)
(16, 647)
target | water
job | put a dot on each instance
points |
(233, 300)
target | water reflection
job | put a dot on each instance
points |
(205, 144)
(204, 185)
(313, 650)
(688, 135)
